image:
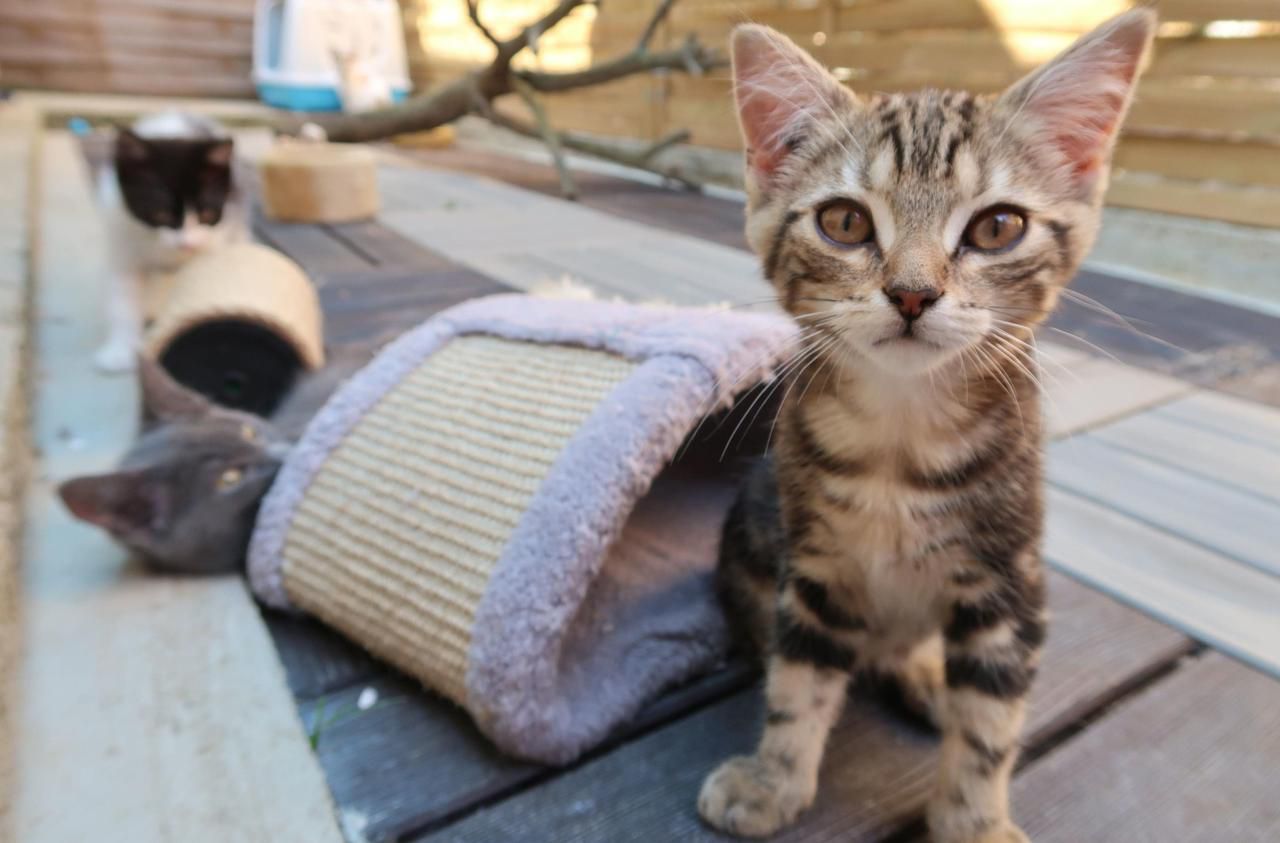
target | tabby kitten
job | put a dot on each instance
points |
(917, 240)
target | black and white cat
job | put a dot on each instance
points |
(169, 194)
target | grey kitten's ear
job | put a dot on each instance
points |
(130, 147)
(1076, 103)
(122, 502)
(166, 400)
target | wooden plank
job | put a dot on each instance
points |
(383, 248)
(1191, 758)
(154, 705)
(1203, 452)
(415, 759)
(1243, 163)
(1234, 106)
(1097, 391)
(97, 81)
(315, 250)
(316, 660)
(1216, 57)
(1249, 206)
(1204, 511)
(877, 773)
(1228, 416)
(1218, 600)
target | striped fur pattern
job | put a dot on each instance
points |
(896, 527)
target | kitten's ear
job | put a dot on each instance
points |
(122, 502)
(219, 154)
(782, 95)
(1076, 102)
(130, 147)
(166, 400)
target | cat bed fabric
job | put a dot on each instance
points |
(495, 506)
(239, 324)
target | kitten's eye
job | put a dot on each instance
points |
(208, 217)
(995, 229)
(845, 223)
(229, 478)
(162, 218)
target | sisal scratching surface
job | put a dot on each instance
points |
(398, 534)
(243, 281)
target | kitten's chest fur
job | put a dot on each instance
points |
(891, 544)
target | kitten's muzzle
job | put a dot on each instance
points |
(912, 302)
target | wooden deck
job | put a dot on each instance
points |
(1156, 717)
(1149, 447)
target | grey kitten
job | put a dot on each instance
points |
(185, 495)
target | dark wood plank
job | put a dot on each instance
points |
(384, 248)
(685, 212)
(369, 305)
(415, 759)
(878, 770)
(1194, 757)
(313, 248)
(316, 660)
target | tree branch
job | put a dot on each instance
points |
(640, 159)
(693, 58)
(567, 188)
(473, 12)
(659, 15)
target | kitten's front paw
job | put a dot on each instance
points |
(751, 797)
(1006, 832)
(115, 358)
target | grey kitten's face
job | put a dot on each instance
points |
(186, 493)
(910, 230)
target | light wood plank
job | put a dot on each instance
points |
(1192, 758)
(152, 707)
(1205, 452)
(1245, 163)
(1218, 600)
(1218, 517)
(1234, 417)
(1095, 391)
(1246, 205)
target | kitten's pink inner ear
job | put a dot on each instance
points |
(220, 154)
(84, 500)
(781, 92)
(1080, 98)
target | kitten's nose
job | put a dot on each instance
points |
(911, 302)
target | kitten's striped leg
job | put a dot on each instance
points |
(814, 654)
(993, 640)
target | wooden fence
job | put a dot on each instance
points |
(165, 47)
(1203, 138)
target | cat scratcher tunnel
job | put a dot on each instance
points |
(319, 182)
(494, 505)
(239, 325)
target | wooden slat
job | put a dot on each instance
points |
(877, 772)
(1225, 457)
(1230, 605)
(1250, 206)
(1216, 57)
(315, 250)
(1097, 391)
(316, 660)
(1211, 514)
(1227, 416)
(91, 81)
(1191, 758)
(1243, 163)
